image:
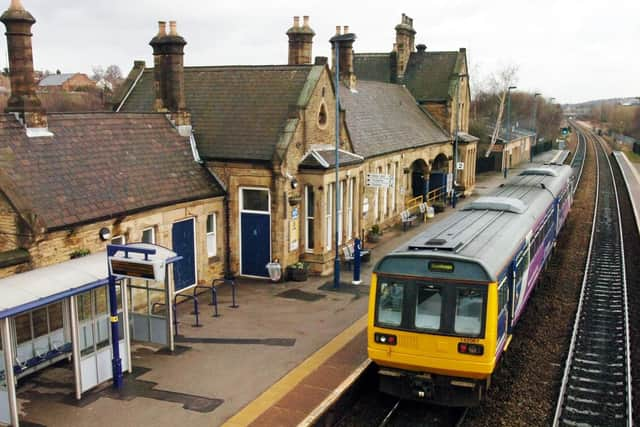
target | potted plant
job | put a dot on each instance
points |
(298, 272)
(374, 234)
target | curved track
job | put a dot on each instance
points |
(577, 163)
(596, 387)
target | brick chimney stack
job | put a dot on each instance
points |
(300, 41)
(168, 73)
(23, 98)
(347, 75)
(405, 40)
(159, 84)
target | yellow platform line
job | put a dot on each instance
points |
(277, 391)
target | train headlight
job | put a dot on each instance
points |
(385, 339)
(474, 349)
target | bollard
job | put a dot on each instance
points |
(357, 243)
(233, 294)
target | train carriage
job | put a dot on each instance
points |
(442, 307)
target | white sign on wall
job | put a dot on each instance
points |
(460, 166)
(379, 180)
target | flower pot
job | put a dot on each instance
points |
(297, 274)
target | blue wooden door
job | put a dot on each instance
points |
(183, 243)
(256, 244)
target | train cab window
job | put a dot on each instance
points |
(391, 295)
(428, 307)
(468, 319)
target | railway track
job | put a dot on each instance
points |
(577, 163)
(596, 387)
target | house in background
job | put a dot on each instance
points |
(439, 81)
(67, 82)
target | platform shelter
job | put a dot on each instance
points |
(65, 311)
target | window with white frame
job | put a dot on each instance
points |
(328, 215)
(394, 189)
(350, 186)
(212, 247)
(118, 240)
(385, 195)
(149, 235)
(309, 203)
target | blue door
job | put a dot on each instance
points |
(183, 243)
(255, 231)
(256, 244)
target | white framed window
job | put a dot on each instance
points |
(385, 195)
(394, 179)
(212, 246)
(309, 203)
(149, 235)
(118, 240)
(328, 215)
(350, 187)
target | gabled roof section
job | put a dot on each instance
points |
(237, 112)
(325, 158)
(378, 67)
(384, 118)
(98, 166)
(428, 74)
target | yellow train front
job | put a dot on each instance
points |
(433, 338)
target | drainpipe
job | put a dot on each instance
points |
(228, 275)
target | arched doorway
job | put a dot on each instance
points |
(439, 172)
(419, 177)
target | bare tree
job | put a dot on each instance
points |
(113, 74)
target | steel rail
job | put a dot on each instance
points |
(591, 388)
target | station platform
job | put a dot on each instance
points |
(631, 175)
(277, 359)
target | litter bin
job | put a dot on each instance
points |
(275, 271)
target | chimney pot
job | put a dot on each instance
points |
(345, 29)
(337, 30)
(321, 60)
(162, 28)
(421, 47)
(305, 20)
(16, 5)
(172, 28)
(296, 22)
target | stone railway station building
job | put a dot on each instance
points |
(267, 133)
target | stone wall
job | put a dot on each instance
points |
(9, 235)
(55, 247)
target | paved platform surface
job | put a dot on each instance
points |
(269, 362)
(631, 176)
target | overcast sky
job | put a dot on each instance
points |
(568, 49)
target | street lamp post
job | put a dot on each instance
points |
(506, 161)
(335, 40)
(534, 126)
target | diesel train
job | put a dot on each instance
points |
(442, 308)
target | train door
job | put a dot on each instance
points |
(503, 312)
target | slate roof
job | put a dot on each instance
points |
(237, 112)
(55, 79)
(326, 159)
(428, 74)
(384, 118)
(98, 166)
(374, 66)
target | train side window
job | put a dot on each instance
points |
(429, 307)
(390, 299)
